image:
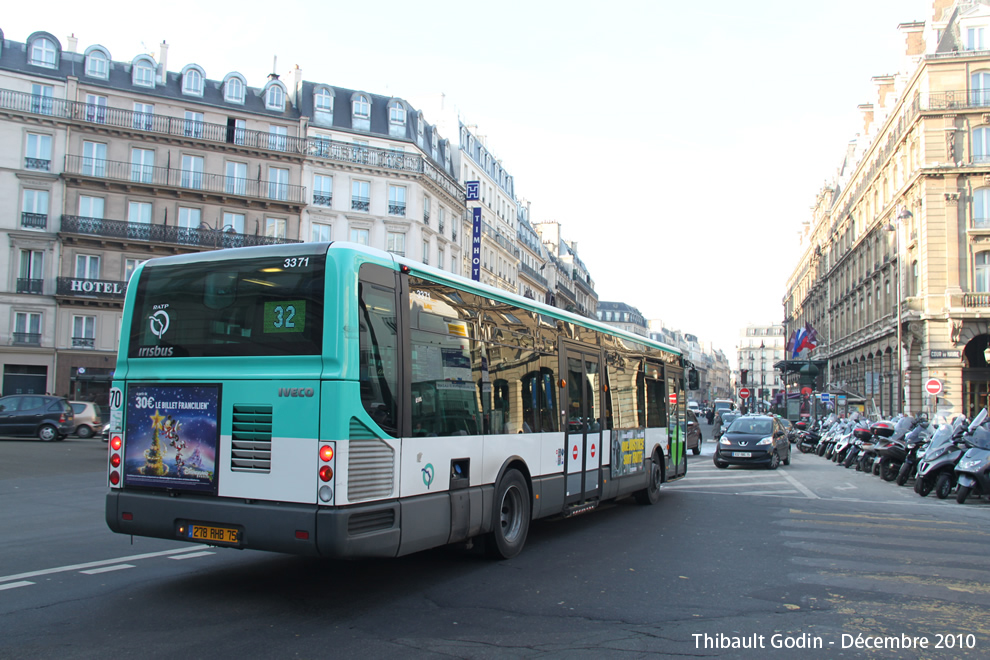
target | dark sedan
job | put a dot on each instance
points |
(753, 440)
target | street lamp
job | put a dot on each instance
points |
(896, 228)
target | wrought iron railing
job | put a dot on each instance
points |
(566, 291)
(141, 231)
(397, 209)
(322, 200)
(83, 342)
(30, 285)
(34, 220)
(37, 164)
(532, 273)
(190, 179)
(27, 338)
(426, 218)
(360, 204)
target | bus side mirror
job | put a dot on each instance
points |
(693, 379)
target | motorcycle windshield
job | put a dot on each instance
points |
(981, 438)
(903, 425)
(942, 437)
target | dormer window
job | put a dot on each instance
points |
(433, 143)
(97, 64)
(192, 81)
(43, 52)
(233, 89)
(974, 38)
(396, 114)
(323, 100)
(361, 107)
(275, 97)
(143, 73)
(419, 125)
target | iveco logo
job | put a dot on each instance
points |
(295, 391)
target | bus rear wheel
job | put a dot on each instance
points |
(511, 516)
(651, 494)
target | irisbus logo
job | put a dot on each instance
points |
(296, 391)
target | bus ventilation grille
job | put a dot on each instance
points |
(251, 439)
(370, 465)
(373, 521)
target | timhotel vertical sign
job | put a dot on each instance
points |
(474, 195)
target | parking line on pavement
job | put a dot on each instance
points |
(800, 486)
(14, 585)
(94, 564)
(204, 553)
(107, 569)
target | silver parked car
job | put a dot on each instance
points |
(87, 418)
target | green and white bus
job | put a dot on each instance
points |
(332, 400)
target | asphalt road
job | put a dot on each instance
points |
(808, 554)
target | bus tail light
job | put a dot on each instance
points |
(115, 446)
(326, 465)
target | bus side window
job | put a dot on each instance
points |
(378, 346)
(548, 401)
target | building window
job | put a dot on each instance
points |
(426, 252)
(43, 52)
(238, 127)
(31, 275)
(144, 116)
(322, 190)
(235, 181)
(83, 331)
(426, 209)
(143, 74)
(440, 257)
(130, 265)
(233, 222)
(982, 272)
(360, 236)
(360, 196)
(974, 38)
(361, 107)
(34, 209)
(278, 183)
(981, 144)
(192, 82)
(275, 227)
(440, 221)
(38, 153)
(323, 100)
(192, 172)
(139, 213)
(42, 99)
(94, 159)
(96, 108)
(233, 90)
(396, 243)
(275, 98)
(27, 328)
(321, 233)
(87, 267)
(142, 165)
(91, 207)
(277, 137)
(97, 64)
(396, 114)
(190, 220)
(397, 201)
(981, 207)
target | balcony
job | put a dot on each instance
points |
(84, 342)
(182, 179)
(33, 286)
(360, 204)
(128, 119)
(397, 208)
(532, 274)
(976, 299)
(426, 218)
(171, 234)
(80, 287)
(27, 338)
(34, 220)
(321, 199)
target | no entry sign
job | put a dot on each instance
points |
(744, 393)
(933, 386)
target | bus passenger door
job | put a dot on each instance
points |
(583, 430)
(676, 428)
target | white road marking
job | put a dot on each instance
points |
(94, 564)
(14, 585)
(800, 486)
(107, 569)
(205, 553)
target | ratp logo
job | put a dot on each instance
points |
(428, 475)
(159, 322)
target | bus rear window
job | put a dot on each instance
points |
(266, 306)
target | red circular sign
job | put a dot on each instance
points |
(744, 393)
(592, 451)
(575, 452)
(673, 399)
(933, 386)
(806, 390)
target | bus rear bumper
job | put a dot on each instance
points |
(298, 529)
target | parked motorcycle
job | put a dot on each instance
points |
(918, 440)
(938, 462)
(973, 469)
(890, 453)
(881, 432)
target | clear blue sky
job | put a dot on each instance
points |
(680, 144)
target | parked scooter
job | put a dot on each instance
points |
(938, 462)
(892, 452)
(973, 469)
(861, 435)
(881, 432)
(918, 440)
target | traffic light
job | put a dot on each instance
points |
(744, 375)
(693, 379)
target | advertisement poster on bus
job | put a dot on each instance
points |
(172, 437)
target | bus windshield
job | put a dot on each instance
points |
(264, 306)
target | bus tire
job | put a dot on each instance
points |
(511, 515)
(651, 494)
